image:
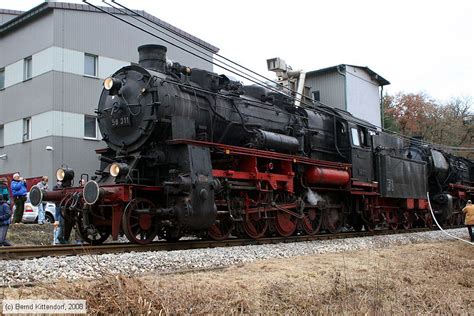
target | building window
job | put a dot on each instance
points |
(90, 65)
(27, 68)
(1, 136)
(90, 127)
(2, 78)
(316, 96)
(27, 129)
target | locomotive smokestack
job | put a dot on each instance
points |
(152, 57)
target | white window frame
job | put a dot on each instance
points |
(27, 68)
(26, 129)
(96, 65)
(2, 75)
(96, 127)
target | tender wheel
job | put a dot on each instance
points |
(392, 220)
(333, 220)
(222, 229)
(138, 223)
(407, 220)
(91, 234)
(312, 221)
(285, 224)
(254, 225)
(428, 220)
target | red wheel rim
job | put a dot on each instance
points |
(222, 229)
(285, 224)
(255, 226)
(312, 221)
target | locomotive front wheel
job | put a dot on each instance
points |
(138, 223)
(254, 225)
(312, 221)
(285, 224)
(222, 229)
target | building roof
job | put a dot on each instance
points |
(381, 81)
(13, 12)
(36, 12)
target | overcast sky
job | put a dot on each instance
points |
(418, 46)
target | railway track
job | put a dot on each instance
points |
(30, 252)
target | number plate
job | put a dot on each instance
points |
(121, 121)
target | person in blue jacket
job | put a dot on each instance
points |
(19, 191)
(5, 215)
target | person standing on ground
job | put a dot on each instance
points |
(58, 236)
(5, 215)
(43, 186)
(18, 187)
(4, 189)
(469, 219)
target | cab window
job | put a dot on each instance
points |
(355, 136)
(342, 135)
(363, 136)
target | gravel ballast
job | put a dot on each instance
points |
(46, 269)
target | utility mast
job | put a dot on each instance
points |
(293, 81)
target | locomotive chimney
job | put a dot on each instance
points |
(152, 57)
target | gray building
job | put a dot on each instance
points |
(53, 59)
(355, 89)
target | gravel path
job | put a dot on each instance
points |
(47, 269)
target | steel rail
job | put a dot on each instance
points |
(29, 252)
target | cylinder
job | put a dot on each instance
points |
(326, 176)
(269, 140)
(152, 57)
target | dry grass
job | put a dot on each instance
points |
(414, 279)
(30, 234)
(33, 234)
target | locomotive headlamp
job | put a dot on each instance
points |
(117, 169)
(65, 175)
(112, 85)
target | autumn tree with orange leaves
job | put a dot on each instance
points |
(450, 123)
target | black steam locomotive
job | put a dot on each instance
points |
(193, 152)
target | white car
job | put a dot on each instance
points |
(30, 214)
